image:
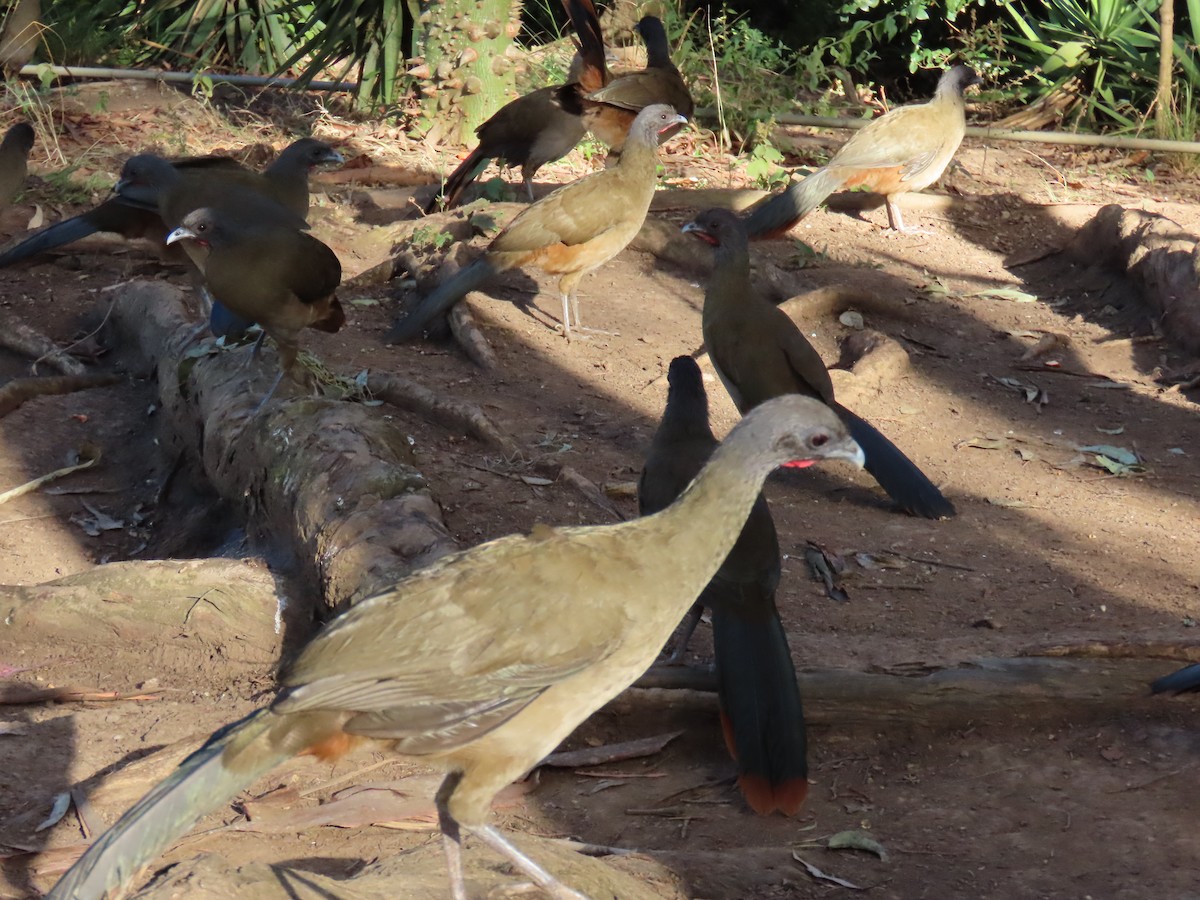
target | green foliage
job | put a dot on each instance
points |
(764, 167)
(1110, 46)
(254, 36)
(732, 66)
(426, 237)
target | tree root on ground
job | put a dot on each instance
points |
(19, 390)
(20, 338)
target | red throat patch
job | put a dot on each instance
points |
(798, 464)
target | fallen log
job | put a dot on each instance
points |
(993, 690)
(1158, 255)
(336, 482)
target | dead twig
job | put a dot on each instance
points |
(15, 335)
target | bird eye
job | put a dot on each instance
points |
(202, 227)
(819, 439)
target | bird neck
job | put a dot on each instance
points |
(686, 417)
(729, 287)
(637, 156)
(704, 523)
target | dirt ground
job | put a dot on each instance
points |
(1047, 548)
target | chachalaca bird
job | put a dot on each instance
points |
(14, 158)
(1186, 679)
(19, 35)
(609, 109)
(134, 211)
(575, 229)
(906, 149)
(761, 713)
(759, 353)
(266, 272)
(534, 129)
(483, 662)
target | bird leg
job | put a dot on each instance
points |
(543, 879)
(529, 188)
(570, 306)
(451, 836)
(270, 393)
(896, 219)
(686, 629)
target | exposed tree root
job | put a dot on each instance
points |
(19, 390)
(454, 415)
(20, 338)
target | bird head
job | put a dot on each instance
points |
(146, 171)
(797, 431)
(718, 227)
(312, 153)
(655, 121)
(957, 79)
(200, 226)
(20, 136)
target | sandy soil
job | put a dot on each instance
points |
(1046, 547)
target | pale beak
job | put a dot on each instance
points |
(180, 234)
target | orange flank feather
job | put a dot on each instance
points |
(334, 747)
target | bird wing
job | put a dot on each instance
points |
(637, 90)
(908, 137)
(803, 359)
(574, 214)
(437, 654)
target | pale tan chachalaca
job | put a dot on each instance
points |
(579, 227)
(485, 661)
(906, 149)
(761, 713)
(759, 353)
(266, 272)
(14, 160)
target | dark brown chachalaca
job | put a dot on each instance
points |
(534, 129)
(266, 272)
(609, 104)
(154, 195)
(569, 232)
(14, 159)
(761, 713)
(759, 353)
(483, 662)
(906, 149)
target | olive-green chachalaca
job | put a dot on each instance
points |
(759, 353)
(485, 661)
(154, 195)
(761, 713)
(14, 158)
(906, 149)
(534, 129)
(266, 272)
(569, 232)
(610, 107)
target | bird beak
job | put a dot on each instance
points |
(180, 234)
(851, 452)
(698, 231)
(674, 125)
(846, 449)
(333, 158)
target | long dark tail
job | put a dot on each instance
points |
(1186, 679)
(761, 712)
(202, 782)
(896, 473)
(779, 213)
(593, 74)
(459, 180)
(444, 296)
(49, 238)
